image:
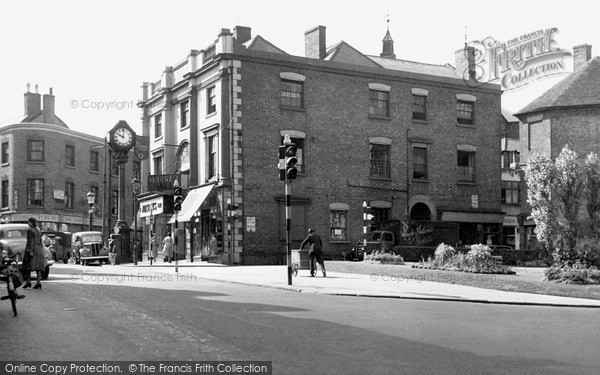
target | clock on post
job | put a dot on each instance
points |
(121, 137)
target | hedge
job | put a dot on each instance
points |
(509, 257)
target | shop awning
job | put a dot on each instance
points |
(192, 202)
(473, 217)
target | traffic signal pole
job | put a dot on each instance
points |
(288, 227)
(287, 173)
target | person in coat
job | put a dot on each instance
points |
(33, 259)
(168, 248)
(315, 253)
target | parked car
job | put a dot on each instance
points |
(88, 247)
(61, 243)
(13, 239)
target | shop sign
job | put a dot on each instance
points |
(162, 182)
(151, 207)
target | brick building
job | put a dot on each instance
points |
(47, 171)
(567, 114)
(413, 140)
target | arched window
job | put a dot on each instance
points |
(420, 211)
(183, 157)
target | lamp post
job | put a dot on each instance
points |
(91, 197)
(135, 183)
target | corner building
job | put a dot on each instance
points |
(412, 140)
(48, 169)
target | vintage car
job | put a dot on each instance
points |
(61, 243)
(88, 247)
(13, 239)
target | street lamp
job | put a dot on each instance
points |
(91, 198)
(135, 183)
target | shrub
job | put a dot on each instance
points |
(575, 274)
(588, 252)
(443, 253)
(479, 255)
(382, 257)
(478, 259)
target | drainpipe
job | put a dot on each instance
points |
(407, 176)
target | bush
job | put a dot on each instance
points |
(478, 260)
(588, 252)
(443, 253)
(575, 274)
(415, 253)
(382, 257)
(479, 255)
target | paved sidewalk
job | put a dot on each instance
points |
(347, 284)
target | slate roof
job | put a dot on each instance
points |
(446, 70)
(508, 116)
(580, 88)
(258, 43)
(345, 53)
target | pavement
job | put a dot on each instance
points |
(349, 284)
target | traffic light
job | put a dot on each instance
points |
(177, 199)
(281, 164)
(290, 162)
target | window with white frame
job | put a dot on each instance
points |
(158, 125)
(35, 150)
(465, 165)
(211, 100)
(338, 221)
(5, 193)
(70, 155)
(69, 194)
(35, 192)
(292, 90)
(510, 192)
(380, 160)
(420, 162)
(184, 113)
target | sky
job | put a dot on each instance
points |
(95, 55)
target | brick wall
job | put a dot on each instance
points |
(337, 126)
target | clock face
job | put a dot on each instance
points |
(123, 137)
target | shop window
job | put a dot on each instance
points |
(339, 225)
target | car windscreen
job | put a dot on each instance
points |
(13, 234)
(91, 238)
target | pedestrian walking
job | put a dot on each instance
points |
(168, 248)
(315, 253)
(33, 259)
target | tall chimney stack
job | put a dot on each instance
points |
(242, 34)
(33, 105)
(315, 43)
(49, 107)
(581, 54)
(465, 62)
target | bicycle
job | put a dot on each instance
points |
(12, 275)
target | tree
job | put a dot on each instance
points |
(592, 190)
(567, 188)
(539, 176)
(554, 193)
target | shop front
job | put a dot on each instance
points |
(56, 222)
(477, 227)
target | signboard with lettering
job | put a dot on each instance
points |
(152, 207)
(141, 147)
(162, 182)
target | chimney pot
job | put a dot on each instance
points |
(33, 102)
